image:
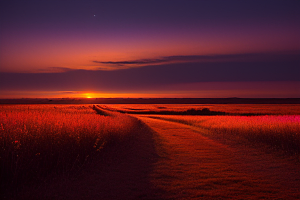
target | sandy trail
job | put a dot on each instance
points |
(193, 166)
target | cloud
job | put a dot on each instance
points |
(53, 70)
(162, 60)
(133, 62)
(266, 57)
(70, 92)
(172, 71)
(152, 77)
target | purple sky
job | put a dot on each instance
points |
(149, 48)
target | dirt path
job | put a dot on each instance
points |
(192, 167)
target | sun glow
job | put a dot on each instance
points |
(88, 95)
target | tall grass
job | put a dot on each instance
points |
(38, 141)
(278, 132)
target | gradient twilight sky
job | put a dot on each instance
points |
(215, 48)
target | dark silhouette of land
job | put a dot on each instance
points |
(151, 101)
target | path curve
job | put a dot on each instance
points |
(195, 167)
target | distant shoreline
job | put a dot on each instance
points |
(151, 101)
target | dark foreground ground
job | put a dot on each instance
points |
(169, 160)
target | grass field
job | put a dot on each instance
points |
(262, 109)
(41, 142)
(38, 141)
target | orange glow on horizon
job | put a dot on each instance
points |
(191, 90)
(88, 95)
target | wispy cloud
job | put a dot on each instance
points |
(53, 70)
(70, 92)
(161, 60)
(124, 64)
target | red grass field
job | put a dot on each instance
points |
(41, 143)
(267, 109)
(42, 140)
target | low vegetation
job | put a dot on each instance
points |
(38, 141)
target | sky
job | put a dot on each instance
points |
(150, 49)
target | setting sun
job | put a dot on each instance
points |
(88, 95)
